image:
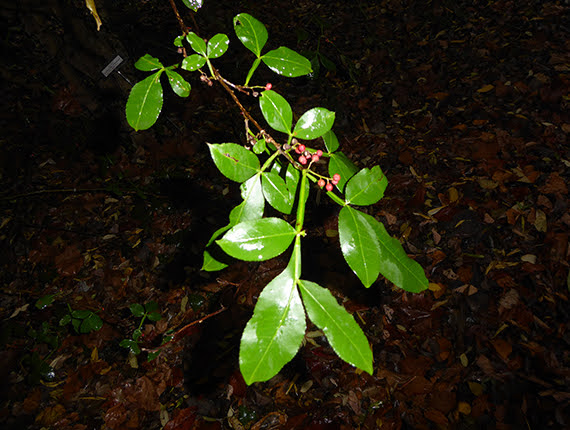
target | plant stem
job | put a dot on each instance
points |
(301, 204)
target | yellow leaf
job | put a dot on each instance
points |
(93, 9)
(476, 388)
(485, 88)
(464, 408)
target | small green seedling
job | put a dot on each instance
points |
(143, 312)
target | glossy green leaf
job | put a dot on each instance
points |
(251, 208)
(234, 161)
(341, 164)
(276, 111)
(178, 84)
(211, 264)
(145, 102)
(343, 333)
(193, 4)
(253, 202)
(91, 323)
(148, 63)
(331, 141)
(292, 177)
(366, 187)
(179, 41)
(257, 240)
(286, 62)
(259, 147)
(197, 43)
(137, 310)
(251, 32)
(193, 62)
(217, 45)
(369, 250)
(274, 334)
(276, 192)
(314, 123)
(137, 333)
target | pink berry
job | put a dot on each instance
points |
(319, 153)
(268, 86)
(302, 159)
(336, 177)
(315, 158)
(321, 183)
(301, 147)
(329, 187)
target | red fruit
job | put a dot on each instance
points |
(329, 187)
(297, 150)
(301, 147)
(321, 183)
(302, 159)
(336, 177)
(319, 153)
(268, 86)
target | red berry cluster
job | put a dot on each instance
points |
(329, 185)
(305, 156)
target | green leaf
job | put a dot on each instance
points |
(81, 314)
(76, 323)
(274, 334)
(292, 177)
(314, 123)
(276, 111)
(147, 63)
(45, 301)
(179, 41)
(276, 192)
(137, 310)
(251, 32)
(151, 306)
(286, 62)
(331, 141)
(259, 147)
(91, 323)
(210, 264)
(66, 319)
(131, 345)
(217, 45)
(154, 316)
(178, 84)
(193, 4)
(193, 62)
(196, 43)
(137, 333)
(234, 161)
(145, 102)
(366, 187)
(341, 164)
(251, 208)
(369, 250)
(253, 202)
(257, 240)
(343, 333)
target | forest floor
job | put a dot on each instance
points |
(464, 105)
